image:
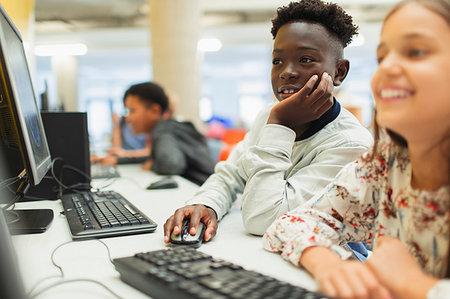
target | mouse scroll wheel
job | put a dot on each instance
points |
(185, 227)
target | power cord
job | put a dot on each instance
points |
(52, 258)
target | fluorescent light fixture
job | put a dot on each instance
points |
(209, 45)
(60, 50)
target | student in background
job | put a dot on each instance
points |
(124, 142)
(176, 147)
(125, 146)
(396, 197)
(296, 146)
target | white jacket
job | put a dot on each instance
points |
(274, 173)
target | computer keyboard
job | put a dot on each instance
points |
(183, 272)
(103, 214)
(100, 171)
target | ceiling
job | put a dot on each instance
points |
(79, 19)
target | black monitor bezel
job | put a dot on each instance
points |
(35, 172)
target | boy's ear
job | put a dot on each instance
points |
(341, 71)
(154, 109)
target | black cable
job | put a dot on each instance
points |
(52, 169)
(112, 180)
(61, 185)
(77, 171)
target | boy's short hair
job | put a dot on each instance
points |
(149, 93)
(330, 15)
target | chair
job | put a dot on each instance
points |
(230, 139)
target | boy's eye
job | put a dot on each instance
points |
(305, 60)
(276, 61)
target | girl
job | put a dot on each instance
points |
(396, 197)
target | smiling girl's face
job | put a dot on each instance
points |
(412, 84)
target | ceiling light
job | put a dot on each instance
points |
(60, 50)
(209, 45)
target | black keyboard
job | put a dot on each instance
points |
(183, 272)
(100, 171)
(103, 214)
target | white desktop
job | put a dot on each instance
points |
(89, 259)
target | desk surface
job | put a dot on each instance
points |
(89, 259)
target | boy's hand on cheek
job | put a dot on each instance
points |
(306, 105)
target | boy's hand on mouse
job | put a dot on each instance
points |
(396, 268)
(196, 214)
(304, 106)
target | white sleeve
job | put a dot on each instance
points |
(441, 290)
(220, 190)
(269, 193)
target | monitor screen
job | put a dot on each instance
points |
(18, 98)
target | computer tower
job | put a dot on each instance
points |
(68, 140)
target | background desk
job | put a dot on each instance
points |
(89, 259)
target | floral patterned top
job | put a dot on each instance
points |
(369, 199)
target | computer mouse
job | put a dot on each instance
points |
(185, 238)
(164, 183)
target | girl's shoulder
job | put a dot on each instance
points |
(384, 157)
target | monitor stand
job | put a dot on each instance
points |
(31, 221)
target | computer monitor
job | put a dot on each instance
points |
(20, 121)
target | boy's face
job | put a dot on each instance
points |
(301, 50)
(141, 118)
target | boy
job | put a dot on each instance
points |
(176, 147)
(296, 147)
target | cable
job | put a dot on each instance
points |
(107, 250)
(9, 182)
(52, 169)
(52, 259)
(77, 171)
(134, 181)
(112, 180)
(75, 280)
(12, 202)
(61, 185)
